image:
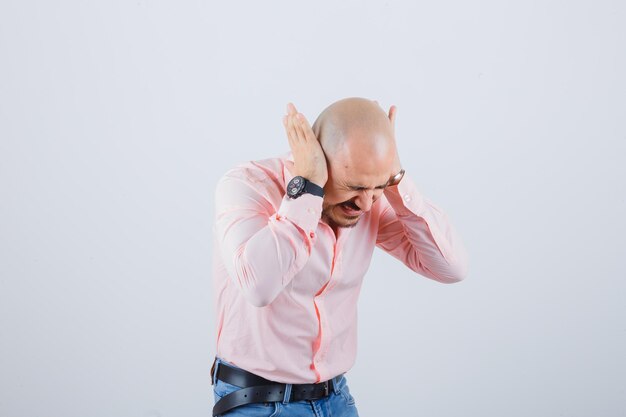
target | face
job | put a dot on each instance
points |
(351, 192)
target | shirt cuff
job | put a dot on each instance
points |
(305, 212)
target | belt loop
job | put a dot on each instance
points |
(287, 393)
(336, 383)
(214, 368)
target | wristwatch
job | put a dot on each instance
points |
(300, 185)
(395, 180)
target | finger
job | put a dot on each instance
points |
(308, 131)
(288, 130)
(289, 139)
(392, 114)
(291, 129)
(291, 108)
(300, 127)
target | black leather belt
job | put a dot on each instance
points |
(255, 389)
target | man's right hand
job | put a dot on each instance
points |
(308, 156)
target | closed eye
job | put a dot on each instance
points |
(361, 188)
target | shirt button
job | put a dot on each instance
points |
(312, 234)
(407, 198)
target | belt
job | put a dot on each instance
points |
(255, 389)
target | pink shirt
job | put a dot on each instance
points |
(286, 289)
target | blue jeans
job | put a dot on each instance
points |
(339, 403)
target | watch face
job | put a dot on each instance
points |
(295, 187)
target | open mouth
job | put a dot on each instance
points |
(350, 209)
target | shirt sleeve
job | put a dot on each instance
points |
(418, 233)
(263, 246)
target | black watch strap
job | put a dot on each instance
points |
(313, 188)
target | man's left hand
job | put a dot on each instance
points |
(397, 166)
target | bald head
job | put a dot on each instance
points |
(354, 128)
(358, 142)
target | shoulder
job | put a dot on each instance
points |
(257, 171)
(264, 172)
(254, 182)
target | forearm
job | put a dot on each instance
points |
(422, 236)
(262, 252)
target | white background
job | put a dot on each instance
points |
(117, 119)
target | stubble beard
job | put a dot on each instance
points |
(330, 219)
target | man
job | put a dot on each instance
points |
(294, 238)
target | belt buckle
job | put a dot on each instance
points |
(326, 390)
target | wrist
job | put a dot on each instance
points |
(315, 179)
